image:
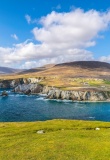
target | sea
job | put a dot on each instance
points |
(23, 108)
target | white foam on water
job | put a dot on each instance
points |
(59, 100)
(40, 98)
(43, 95)
(11, 95)
(20, 95)
(91, 117)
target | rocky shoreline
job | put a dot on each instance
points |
(31, 86)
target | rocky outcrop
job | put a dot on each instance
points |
(14, 83)
(46, 90)
(23, 85)
(5, 84)
(78, 95)
(31, 86)
(28, 88)
(4, 93)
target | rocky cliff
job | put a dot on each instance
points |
(78, 95)
(31, 86)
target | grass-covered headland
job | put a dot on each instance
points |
(62, 140)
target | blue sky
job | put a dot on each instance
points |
(28, 40)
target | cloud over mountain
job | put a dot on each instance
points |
(61, 37)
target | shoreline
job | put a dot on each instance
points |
(54, 99)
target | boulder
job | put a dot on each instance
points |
(40, 132)
(27, 92)
(4, 93)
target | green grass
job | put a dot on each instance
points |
(107, 82)
(62, 140)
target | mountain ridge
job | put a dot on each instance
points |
(86, 64)
(95, 69)
(81, 64)
(8, 70)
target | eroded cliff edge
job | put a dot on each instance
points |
(31, 86)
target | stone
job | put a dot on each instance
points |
(97, 129)
(4, 93)
(28, 92)
(40, 132)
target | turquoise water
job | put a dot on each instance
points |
(19, 107)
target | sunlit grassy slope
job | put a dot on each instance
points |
(69, 75)
(62, 140)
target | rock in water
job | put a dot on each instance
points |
(28, 92)
(4, 93)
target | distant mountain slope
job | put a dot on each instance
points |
(70, 65)
(77, 69)
(86, 64)
(90, 69)
(6, 70)
(39, 69)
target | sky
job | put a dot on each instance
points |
(34, 33)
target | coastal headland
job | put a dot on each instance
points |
(76, 81)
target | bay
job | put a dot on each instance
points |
(19, 108)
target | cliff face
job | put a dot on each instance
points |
(14, 83)
(78, 95)
(54, 93)
(28, 88)
(31, 86)
(5, 84)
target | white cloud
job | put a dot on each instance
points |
(29, 64)
(75, 55)
(14, 36)
(105, 58)
(73, 29)
(30, 20)
(58, 6)
(72, 8)
(63, 37)
(31, 55)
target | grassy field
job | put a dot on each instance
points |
(76, 83)
(62, 140)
